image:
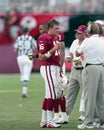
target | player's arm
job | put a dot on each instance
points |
(48, 54)
(15, 46)
(62, 53)
(32, 56)
(14, 49)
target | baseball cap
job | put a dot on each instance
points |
(81, 29)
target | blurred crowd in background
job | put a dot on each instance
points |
(16, 14)
(54, 6)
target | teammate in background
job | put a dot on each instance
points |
(61, 102)
(76, 74)
(43, 28)
(49, 56)
(24, 45)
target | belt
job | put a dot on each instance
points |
(80, 68)
(93, 64)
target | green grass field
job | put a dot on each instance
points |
(17, 113)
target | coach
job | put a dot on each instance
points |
(93, 50)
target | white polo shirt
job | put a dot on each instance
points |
(75, 45)
(93, 50)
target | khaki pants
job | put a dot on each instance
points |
(73, 89)
(93, 82)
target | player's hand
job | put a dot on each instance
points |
(30, 56)
(57, 45)
(33, 55)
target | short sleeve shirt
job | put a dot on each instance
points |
(45, 43)
(25, 45)
(93, 50)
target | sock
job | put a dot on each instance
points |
(64, 115)
(24, 87)
(56, 117)
(49, 116)
(62, 103)
(44, 111)
(50, 106)
(44, 105)
(44, 116)
(56, 106)
(24, 90)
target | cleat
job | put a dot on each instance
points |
(25, 96)
(43, 124)
(63, 119)
(96, 124)
(53, 125)
(60, 114)
(101, 125)
(56, 117)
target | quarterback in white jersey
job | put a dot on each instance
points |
(24, 45)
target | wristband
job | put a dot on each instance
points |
(47, 54)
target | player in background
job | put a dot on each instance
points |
(24, 45)
(43, 28)
(49, 56)
(61, 102)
